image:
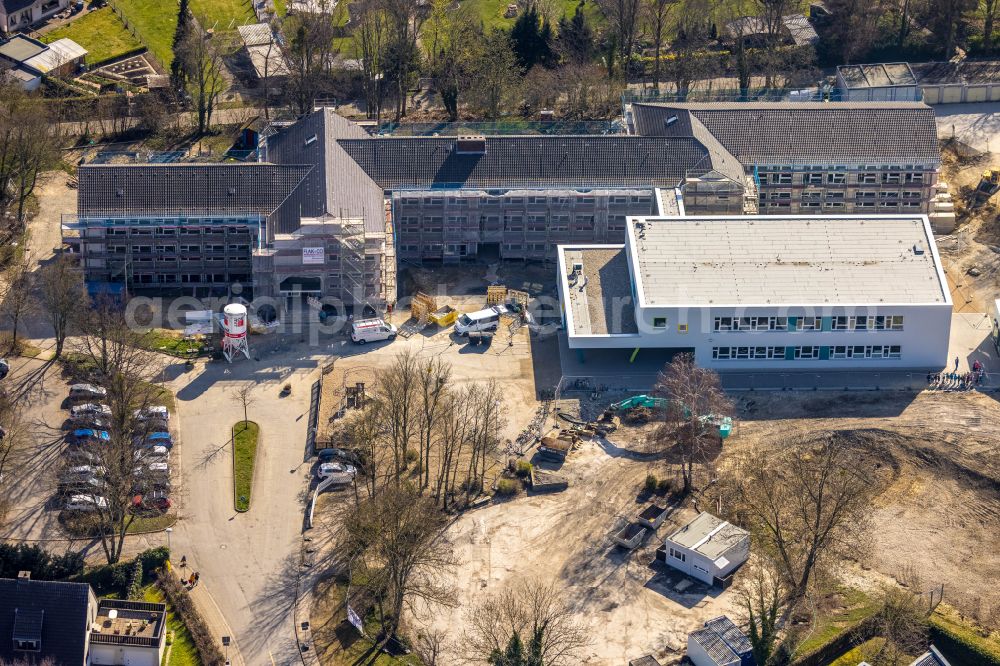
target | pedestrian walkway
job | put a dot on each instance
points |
(211, 614)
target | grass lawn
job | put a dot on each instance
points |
(182, 649)
(491, 12)
(221, 13)
(171, 342)
(945, 619)
(855, 606)
(100, 32)
(866, 649)
(244, 453)
(154, 23)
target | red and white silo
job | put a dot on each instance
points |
(234, 331)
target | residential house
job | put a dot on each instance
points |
(23, 14)
(45, 620)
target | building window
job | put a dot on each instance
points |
(619, 200)
(682, 328)
(836, 178)
(751, 323)
(866, 352)
(913, 177)
(748, 353)
(809, 324)
(806, 353)
(780, 179)
(678, 555)
(659, 322)
(26, 645)
(812, 178)
(891, 178)
(867, 178)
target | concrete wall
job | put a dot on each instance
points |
(959, 93)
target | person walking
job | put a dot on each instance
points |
(956, 364)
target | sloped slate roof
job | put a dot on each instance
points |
(804, 132)
(528, 161)
(64, 622)
(186, 188)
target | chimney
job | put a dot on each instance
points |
(470, 145)
(24, 575)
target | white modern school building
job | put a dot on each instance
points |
(765, 292)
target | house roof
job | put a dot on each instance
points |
(185, 188)
(19, 48)
(708, 535)
(255, 34)
(527, 161)
(785, 260)
(800, 29)
(967, 71)
(58, 54)
(879, 75)
(722, 640)
(267, 60)
(805, 132)
(57, 613)
(647, 660)
(932, 657)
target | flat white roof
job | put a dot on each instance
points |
(786, 260)
(709, 535)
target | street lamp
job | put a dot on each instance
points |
(168, 531)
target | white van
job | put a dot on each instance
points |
(482, 320)
(372, 330)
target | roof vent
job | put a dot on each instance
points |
(24, 575)
(918, 249)
(670, 121)
(311, 140)
(470, 145)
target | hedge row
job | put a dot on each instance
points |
(135, 585)
(203, 639)
(962, 646)
(42, 564)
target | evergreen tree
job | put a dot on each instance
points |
(177, 74)
(532, 39)
(512, 656)
(576, 38)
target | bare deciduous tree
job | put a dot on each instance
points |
(396, 402)
(62, 296)
(310, 54)
(433, 385)
(394, 542)
(807, 503)
(529, 609)
(496, 75)
(901, 624)
(694, 398)
(243, 395)
(124, 458)
(656, 13)
(623, 19)
(370, 39)
(761, 596)
(18, 299)
(204, 73)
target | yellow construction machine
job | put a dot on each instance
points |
(989, 184)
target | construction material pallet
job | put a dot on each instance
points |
(411, 327)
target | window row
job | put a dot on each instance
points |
(809, 352)
(840, 323)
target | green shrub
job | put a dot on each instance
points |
(135, 584)
(506, 487)
(664, 486)
(650, 485)
(523, 468)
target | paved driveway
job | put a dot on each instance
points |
(247, 561)
(975, 124)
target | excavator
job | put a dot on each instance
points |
(989, 184)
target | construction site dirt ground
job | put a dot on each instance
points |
(940, 509)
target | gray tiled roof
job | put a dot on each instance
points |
(731, 634)
(716, 648)
(64, 623)
(804, 132)
(337, 185)
(179, 188)
(527, 161)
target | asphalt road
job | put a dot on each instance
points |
(247, 561)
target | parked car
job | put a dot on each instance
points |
(90, 485)
(4, 368)
(155, 500)
(481, 320)
(153, 413)
(154, 468)
(82, 456)
(331, 468)
(153, 454)
(86, 435)
(85, 503)
(86, 392)
(91, 421)
(84, 472)
(333, 453)
(372, 330)
(159, 438)
(90, 408)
